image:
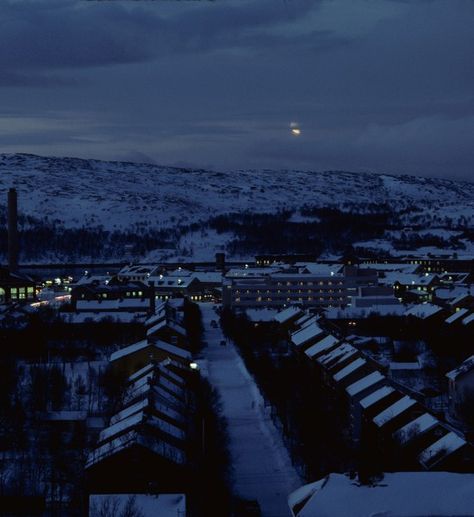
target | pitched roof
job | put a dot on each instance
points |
(418, 426)
(466, 366)
(300, 337)
(364, 383)
(374, 397)
(322, 345)
(394, 410)
(437, 451)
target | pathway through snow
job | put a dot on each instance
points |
(262, 468)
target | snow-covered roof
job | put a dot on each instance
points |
(123, 441)
(261, 314)
(300, 337)
(350, 368)
(318, 269)
(214, 277)
(466, 366)
(391, 277)
(174, 350)
(396, 365)
(322, 345)
(287, 314)
(437, 451)
(164, 505)
(452, 293)
(335, 313)
(109, 305)
(130, 349)
(171, 282)
(423, 310)
(252, 271)
(337, 355)
(394, 410)
(418, 426)
(306, 316)
(160, 345)
(160, 313)
(137, 418)
(401, 494)
(401, 267)
(468, 319)
(177, 328)
(364, 383)
(92, 279)
(155, 328)
(147, 369)
(118, 316)
(374, 397)
(454, 317)
(461, 297)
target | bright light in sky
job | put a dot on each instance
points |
(295, 129)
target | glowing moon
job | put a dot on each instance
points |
(295, 129)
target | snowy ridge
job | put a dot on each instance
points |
(121, 194)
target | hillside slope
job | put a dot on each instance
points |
(78, 193)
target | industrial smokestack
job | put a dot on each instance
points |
(12, 231)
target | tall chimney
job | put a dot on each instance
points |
(12, 231)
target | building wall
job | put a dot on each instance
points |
(303, 289)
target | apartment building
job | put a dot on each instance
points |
(308, 285)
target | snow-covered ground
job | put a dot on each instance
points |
(262, 467)
(122, 195)
(139, 198)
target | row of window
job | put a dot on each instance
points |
(321, 282)
(300, 299)
(289, 291)
(22, 293)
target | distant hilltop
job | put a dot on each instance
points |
(79, 209)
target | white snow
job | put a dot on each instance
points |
(261, 314)
(262, 467)
(126, 304)
(350, 368)
(423, 310)
(130, 349)
(399, 494)
(337, 355)
(454, 317)
(321, 346)
(306, 334)
(469, 319)
(286, 314)
(466, 366)
(364, 383)
(374, 397)
(120, 195)
(162, 505)
(445, 446)
(394, 410)
(416, 427)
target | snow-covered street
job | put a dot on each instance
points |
(262, 468)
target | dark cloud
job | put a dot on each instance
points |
(379, 85)
(42, 34)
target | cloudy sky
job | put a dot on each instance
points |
(382, 85)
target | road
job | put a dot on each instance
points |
(262, 468)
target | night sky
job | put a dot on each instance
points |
(378, 85)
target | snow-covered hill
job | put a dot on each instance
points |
(118, 195)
